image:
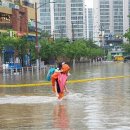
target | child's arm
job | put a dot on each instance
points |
(66, 89)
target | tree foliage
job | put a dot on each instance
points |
(127, 48)
(56, 50)
(127, 35)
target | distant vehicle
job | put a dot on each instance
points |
(118, 58)
(127, 59)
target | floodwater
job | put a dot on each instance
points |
(94, 105)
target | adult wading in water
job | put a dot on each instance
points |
(59, 79)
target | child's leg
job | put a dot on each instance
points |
(57, 87)
(61, 95)
(56, 91)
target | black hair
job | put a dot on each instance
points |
(60, 65)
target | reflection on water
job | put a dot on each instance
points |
(107, 107)
(98, 105)
(61, 119)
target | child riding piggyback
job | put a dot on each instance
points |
(59, 79)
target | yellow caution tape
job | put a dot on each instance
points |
(71, 81)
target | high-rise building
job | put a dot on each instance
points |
(64, 18)
(110, 19)
(89, 23)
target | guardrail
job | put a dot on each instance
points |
(15, 71)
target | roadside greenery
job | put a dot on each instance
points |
(127, 48)
(56, 50)
(63, 49)
(127, 45)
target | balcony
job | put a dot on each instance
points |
(26, 3)
(5, 26)
(8, 5)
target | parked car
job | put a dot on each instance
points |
(126, 59)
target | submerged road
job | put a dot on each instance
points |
(69, 82)
(99, 99)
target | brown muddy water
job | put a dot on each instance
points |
(95, 105)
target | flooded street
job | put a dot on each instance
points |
(94, 105)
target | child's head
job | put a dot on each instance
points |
(60, 65)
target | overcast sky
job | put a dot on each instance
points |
(89, 3)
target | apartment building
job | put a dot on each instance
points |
(89, 23)
(64, 18)
(15, 15)
(110, 19)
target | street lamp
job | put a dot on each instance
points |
(36, 30)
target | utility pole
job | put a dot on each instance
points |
(36, 45)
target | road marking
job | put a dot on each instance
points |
(70, 82)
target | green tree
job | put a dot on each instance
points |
(58, 50)
(127, 35)
(126, 48)
(46, 50)
(20, 45)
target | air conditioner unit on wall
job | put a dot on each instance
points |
(16, 6)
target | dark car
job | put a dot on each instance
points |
(126, 59)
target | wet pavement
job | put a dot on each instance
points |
(96, 105)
